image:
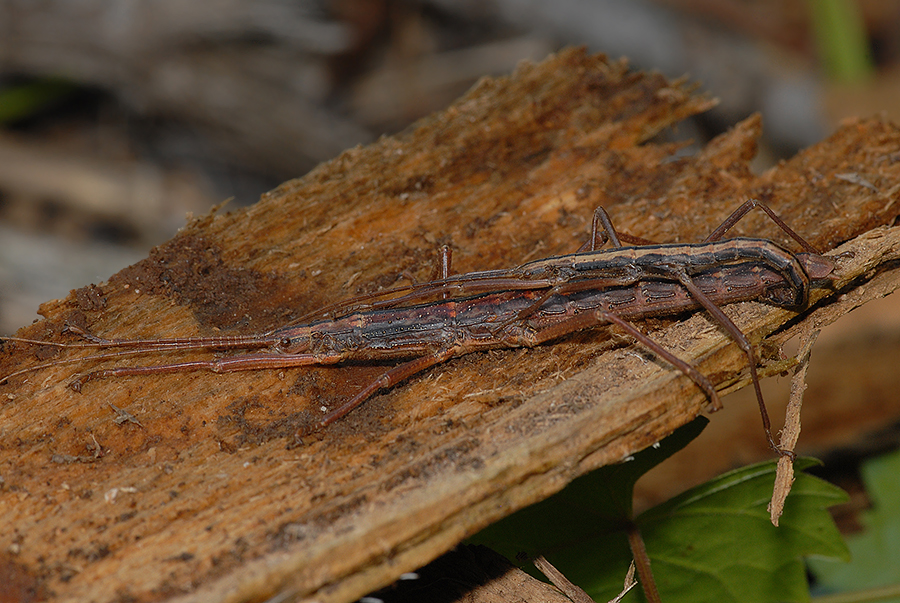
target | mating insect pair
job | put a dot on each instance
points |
(539, 301)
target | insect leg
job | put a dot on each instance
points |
(598, 317)
(602, 230)
(389, 378)
(742, 342)
(743, 210)
(243, 362)
(445, 257)
(601, 218)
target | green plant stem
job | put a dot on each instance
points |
(842, 39)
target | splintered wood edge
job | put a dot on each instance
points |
(865, 272)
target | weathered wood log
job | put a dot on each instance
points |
(210, 497)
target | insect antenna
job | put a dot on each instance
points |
(138, 346)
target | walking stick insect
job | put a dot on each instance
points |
(525, 306)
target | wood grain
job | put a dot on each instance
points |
(212, 498)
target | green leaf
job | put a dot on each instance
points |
(876, 551)
(580, 527)
(717, 543)
(712, 543)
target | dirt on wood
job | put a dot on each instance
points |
(207, 494)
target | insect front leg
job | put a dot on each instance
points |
(228, 364)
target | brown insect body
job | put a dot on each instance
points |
(490, 320)
(521, 307)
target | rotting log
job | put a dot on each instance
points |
(209, 497)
